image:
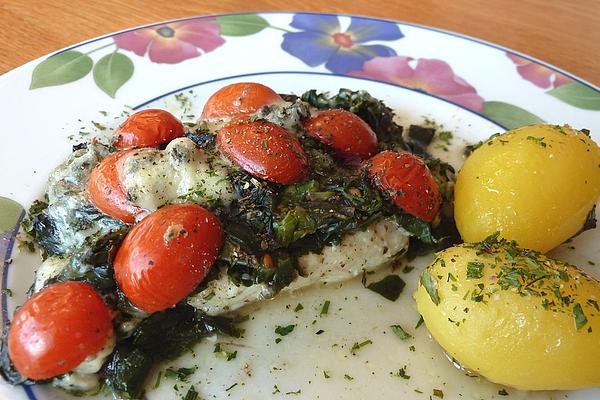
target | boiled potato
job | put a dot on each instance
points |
(534, 184)
(514, 316)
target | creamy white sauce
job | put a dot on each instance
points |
(182, 172)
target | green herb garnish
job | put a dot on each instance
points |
(474, 270)
(219, 352)
(580, 318)
(357, 346)
(401, 333)
(191, 394)
(430, 286)
(325, 308)
(284, 330)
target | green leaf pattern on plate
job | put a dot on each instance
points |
(10, 212)
(241, 25)
(509, 115)
(112, 71)
(61, 68)
(577, 95)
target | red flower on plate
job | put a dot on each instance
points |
(429, 75)
(540, 75)
(174, 42)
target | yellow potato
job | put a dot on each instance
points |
(534, 184)
(514, 316)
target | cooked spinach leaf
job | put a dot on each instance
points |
(162, 336)
(389, 287)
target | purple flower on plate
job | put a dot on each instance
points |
(173, 42)
(540, 75)
(429, 75)
(322, 42)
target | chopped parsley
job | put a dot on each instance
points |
(296, 392)
(275, 390)
(284, 330)
(357, 346)
(325, 308)
(430, 286)
(401, 373)
(180, 374)
(98, 126)
(348, 377)
(219, 352)
(438, 393)
(419, 322)
(401, 333)
(326, 374)
(502, 392)
(445, 136)
(580, 318)
(158, 378)
(538, 140)
(474, 270)
(191, 394)
(299, 307)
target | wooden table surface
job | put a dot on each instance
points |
(563, 33)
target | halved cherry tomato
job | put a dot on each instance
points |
(57, 329)
(408, 182)
(164, 257)
(347, 134)
(148, 128)
(238, 100)
(265, 150)
(106, 191)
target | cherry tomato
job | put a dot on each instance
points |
(408, 182)
(57, 329)
(148, 128)
(238, 100)
(164, 257)
(347, 134)
(106, 191)
(265, 150)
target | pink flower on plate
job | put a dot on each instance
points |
(174, 42)
(429, 75)
(540, 75)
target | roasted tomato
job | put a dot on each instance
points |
(407, 181)
(238, 100)
(106, 191)
(348, 135)
(148, 128)
(57, 329)
(164, 257)
(265, 150)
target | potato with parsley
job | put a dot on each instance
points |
(514, 316)
(534, 184)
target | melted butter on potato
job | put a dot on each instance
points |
(534, 184)
(514, 316)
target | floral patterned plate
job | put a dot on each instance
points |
(470, 87)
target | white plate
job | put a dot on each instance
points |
(472, 88)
